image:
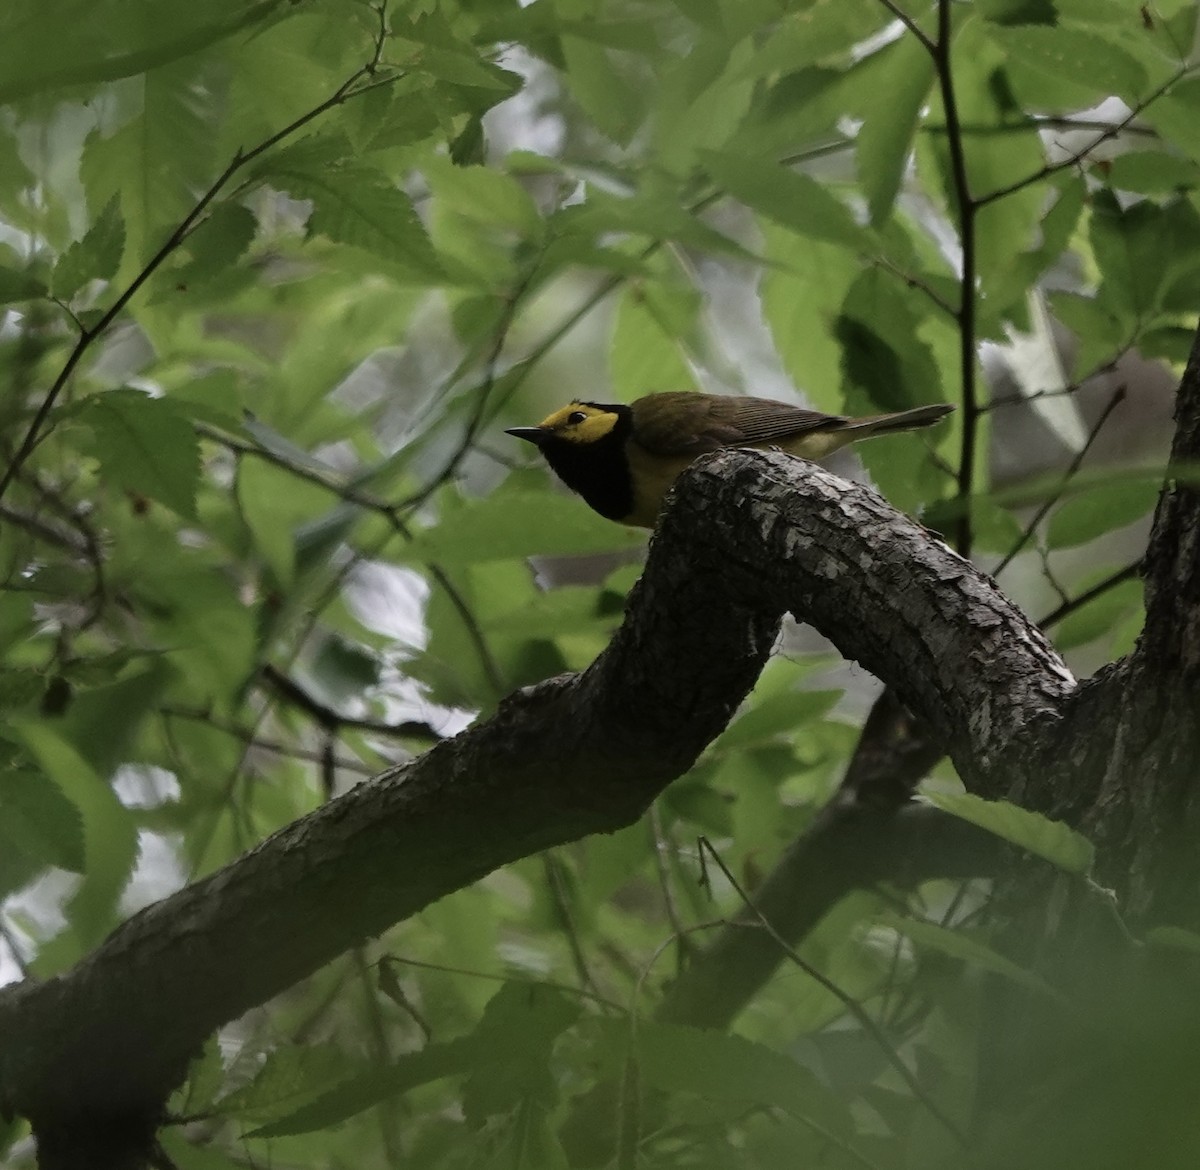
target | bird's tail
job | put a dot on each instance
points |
(901, 420)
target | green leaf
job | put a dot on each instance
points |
(361, 1092)
(93, 43)
(103, 721)
(1099, 616)
(109, 837)
(890, 117)
(802, 296)
(517, 524)
(1076, 55)
(516, 1035)
(820, 30)
(96, 257)
(609, 98)
(290, 1078)
(157, 160)
(35, 812)
(19, 285)
(217, 245)
(354, 203)
(146, 445)
(1153, 172)
(788, 197)
(961, 945)
(1134, 252)
(722, 1067)
(780, 715)
(1100, 509)
(343, 669)
(646, 355)
(1051, 840)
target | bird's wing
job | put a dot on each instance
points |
(690, 424)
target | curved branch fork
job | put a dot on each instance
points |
(749, 536)
(888, 593)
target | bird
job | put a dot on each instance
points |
(622, 459)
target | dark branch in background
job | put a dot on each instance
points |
(967, 208)
(332, 720)
(348, 89)
(1020, 397)
(1128, 573)
(869, 834)
(748, 536)
(248, 736)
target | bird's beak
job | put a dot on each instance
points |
(534, 435)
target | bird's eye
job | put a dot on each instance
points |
(576, 417)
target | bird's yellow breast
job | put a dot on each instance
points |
(655, 475)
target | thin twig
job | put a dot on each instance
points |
(552, 868)
(659, 844)
(861, 1016)
(915, 282)
(1128, 573)
(247, 736)
(911, 25)
(1118, 396)
(567, 988)
(1078, 156)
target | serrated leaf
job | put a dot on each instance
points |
(146, 445)
(110, 843)
(890, 116)
(1052, 840)
(354, 204)
(1100, 509)
(96, 257)
(37, 812)
(103, 721)
(156, 161)
(788, 197)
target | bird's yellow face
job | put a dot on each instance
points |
(580, 422)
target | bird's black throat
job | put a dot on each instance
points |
(599, 470)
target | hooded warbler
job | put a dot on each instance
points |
(624, 459)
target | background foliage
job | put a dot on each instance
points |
(275, 277)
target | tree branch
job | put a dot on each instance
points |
(749, 536)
